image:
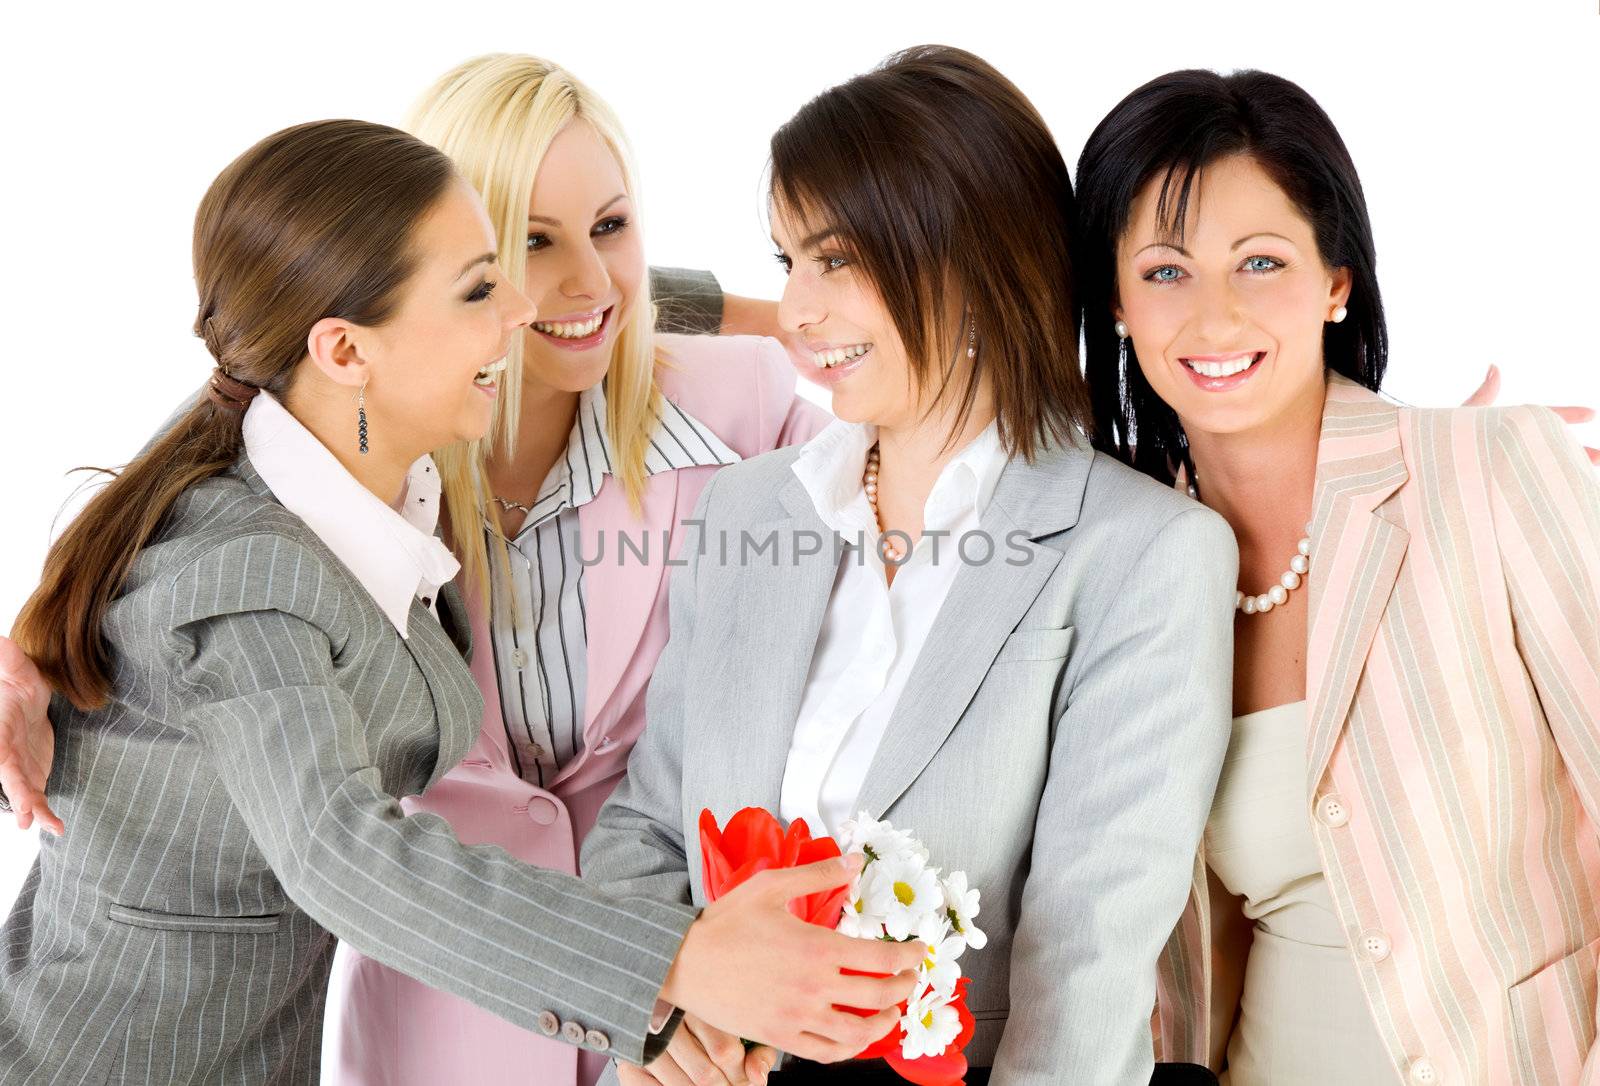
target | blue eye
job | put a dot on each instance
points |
(833, 263)
(1263, 264)
(1166, 273)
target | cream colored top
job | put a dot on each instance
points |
(1302, 1015)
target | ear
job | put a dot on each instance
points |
(333, 346)
(1339, 286)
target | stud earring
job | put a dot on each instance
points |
(1340, 314)
(361, 417)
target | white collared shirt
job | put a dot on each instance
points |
(872, 632)
(393, 553)
(538, 621)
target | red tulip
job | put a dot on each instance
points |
(755, 841)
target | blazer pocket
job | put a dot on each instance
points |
(224, 925)
(1036, 644)
(1557, 1000)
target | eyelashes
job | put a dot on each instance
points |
(613, 224)
(1253, 265)
(482, 291)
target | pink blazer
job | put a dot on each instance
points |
(387, 1029)
(1453, 748)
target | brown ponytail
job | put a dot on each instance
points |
(313, 221)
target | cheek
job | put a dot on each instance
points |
(625, 264)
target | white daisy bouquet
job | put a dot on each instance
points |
(899, 896)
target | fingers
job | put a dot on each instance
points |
(874, 955)
(758, 1064)
(1488, 391)
(709, 1056)
(662, 1071)
(873, 993)
(1594, 455)
(789, 883)
(629, 1075)
(1575, 415)
(839, 1035)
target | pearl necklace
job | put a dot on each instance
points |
(1278, 594)
(869, 482)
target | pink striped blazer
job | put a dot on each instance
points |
(1453, 750)
(386, 1029)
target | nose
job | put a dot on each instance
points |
(1218, 314)
(518, 311)
(585, 275)
(799, 306)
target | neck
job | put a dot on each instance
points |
(912, 456)
(329, 411)
(1261, 480)
(544, 425)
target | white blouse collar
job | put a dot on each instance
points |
(392, 552)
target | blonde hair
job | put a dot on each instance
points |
(496, 116)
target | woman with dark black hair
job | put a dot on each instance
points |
(1402, 858)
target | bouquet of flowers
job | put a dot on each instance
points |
(897, 896)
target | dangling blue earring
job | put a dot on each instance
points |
(361, 417)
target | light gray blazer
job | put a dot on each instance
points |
(1059, 739)
(232, 810)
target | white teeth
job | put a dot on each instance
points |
(1222, 369)
(487, 375)
(571, 329)
(832, 356)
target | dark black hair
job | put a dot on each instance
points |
(1172, 128)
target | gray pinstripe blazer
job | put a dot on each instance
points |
(1059, 738)
(232, 810)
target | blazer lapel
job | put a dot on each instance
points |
(1356, 555)
(985, 604)
(620, 589)
(783, 601)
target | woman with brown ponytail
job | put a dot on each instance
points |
(258, 648)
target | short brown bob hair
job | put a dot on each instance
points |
(939, 175)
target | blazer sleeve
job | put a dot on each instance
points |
(637, 844)
(1546, 505)
(1134, 763)
(687, 301)
(255, 686)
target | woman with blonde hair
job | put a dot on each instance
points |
(564, 517)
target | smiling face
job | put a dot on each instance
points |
(1227, 320)
(585, 261)
(837, 313)
(434, 364)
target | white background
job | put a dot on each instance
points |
(1475, 131)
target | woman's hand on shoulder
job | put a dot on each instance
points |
(1489, 391)
(27, 738)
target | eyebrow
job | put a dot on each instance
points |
(486, 258)
(548, 221)
(1184, 252)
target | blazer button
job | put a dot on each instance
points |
(519, 658)
(1374, 945)
(549, 1024)
(572, 1033)
(1332, 810)
(543, 810)
(1424, 1073)
(597, 1040)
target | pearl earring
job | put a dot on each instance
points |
(1122, 330)
(1340, 314)
(1122, 349)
